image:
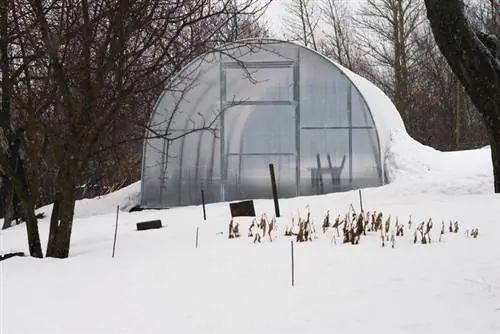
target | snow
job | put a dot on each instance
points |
(159, 282)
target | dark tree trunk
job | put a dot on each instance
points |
(61, 220)
(12, 163)
(475, 66)
(26, 198)
(7, 191)
(7, 203)
(31, 223)
(495, 155)
(54, 224)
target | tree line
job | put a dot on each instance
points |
(390, 42)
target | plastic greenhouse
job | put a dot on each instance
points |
(230, 113)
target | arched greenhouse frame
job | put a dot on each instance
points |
(230, 113)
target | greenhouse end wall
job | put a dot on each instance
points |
(233, 113)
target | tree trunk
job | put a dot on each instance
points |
(475, 66)
(61, 220)
(27, 202)
(54, 224)
(458, 109)
(11, 156)
(495, 155)
(7, 203)
(31, 223)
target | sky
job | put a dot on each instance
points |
(275, 14)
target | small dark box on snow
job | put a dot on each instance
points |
(148, 225)
(242, 209)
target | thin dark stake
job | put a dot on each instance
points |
(360, 200)
(116, 230)
(203, 202)
(293, 265)
(197, 237)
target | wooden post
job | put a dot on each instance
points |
(293, 265)
(275, 190)
(360, 200)
(197, 236)
(203, 202)
(116, 230)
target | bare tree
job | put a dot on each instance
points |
(484, 15)
(118, 161)
(88, 74)
(443, 115)
(474, 59)
(339, 34)
(388, 29)
(301, 22)
(14, 161)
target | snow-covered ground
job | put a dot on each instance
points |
(159, 282)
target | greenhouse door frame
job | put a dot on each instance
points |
(225, 105)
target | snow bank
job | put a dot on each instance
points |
(126, 198)
(421, 169)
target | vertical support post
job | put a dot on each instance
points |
(360, 200)
(320, 175)
(163, 170)
(203, 203)
(296, 99)
(275, 190)
(332, 174)
(116, 231)
(293, 264)
(222, 109)
(349, 115)
(240, 166)
(210, 174)
(197, 229)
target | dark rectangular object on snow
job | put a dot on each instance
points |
(242, 209)
(147, 225)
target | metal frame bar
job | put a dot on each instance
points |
(296, 99)
(198, 153)
(210, 174)
(349, 115)
(222, 104)
(240, 163)
(164, 162)
(260, 154)
(181, 174)
(336, 127)
(256, 64)
(260, 103)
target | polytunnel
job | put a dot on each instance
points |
(230, 113)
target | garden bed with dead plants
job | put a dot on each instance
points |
(349, 228)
